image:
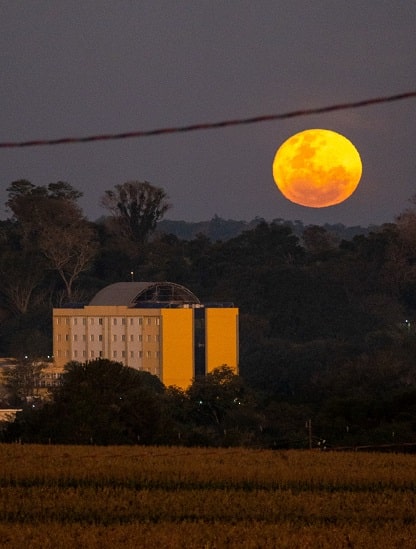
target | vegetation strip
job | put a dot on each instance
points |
(71, 496)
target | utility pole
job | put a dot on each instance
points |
(309, 427)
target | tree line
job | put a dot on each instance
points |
(326, 324)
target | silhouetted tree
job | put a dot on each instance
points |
(21, 273)
(100, 402)
(51, 223)
(317, 240)
(136, 208)
(22, 380)
(222, 408)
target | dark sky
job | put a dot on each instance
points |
(75, 68)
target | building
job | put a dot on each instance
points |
(157, 327)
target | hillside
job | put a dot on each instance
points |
(224, 229)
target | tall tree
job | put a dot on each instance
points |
(136, 208)
(21, 273)
(22, 190)
(51, 223)
(68, 242)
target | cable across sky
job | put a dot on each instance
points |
(209, 125)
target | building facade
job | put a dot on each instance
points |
(157, 327)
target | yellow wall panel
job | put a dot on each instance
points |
(177, 347)
(221, 338)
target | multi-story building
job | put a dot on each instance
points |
(158, 327)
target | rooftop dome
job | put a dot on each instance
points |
(137, 294)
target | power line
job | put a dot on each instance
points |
(209, 125)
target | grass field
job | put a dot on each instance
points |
(151, 497)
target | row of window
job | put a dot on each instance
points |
(149, 338)
(115, 354)
(114, 320)
(48, 383)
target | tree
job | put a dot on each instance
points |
(22, 380)
(68, 242)
(100, 402)
(20, 192)
(318, 240)
(223, 408)
(136, 208)
(51, 223)
(21, 273)
(63, 191)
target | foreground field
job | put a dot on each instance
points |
(141, 497)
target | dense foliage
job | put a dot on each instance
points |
(326, 325)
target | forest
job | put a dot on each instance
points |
(327, 336)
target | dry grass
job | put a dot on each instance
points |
(63, 496)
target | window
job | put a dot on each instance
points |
(101, 354)
(75, 337)
(157, 321)
(58, 337)
(123, 338)
(114, 354)
(58, 320)
(140, 354)
(140, 321)
(92, 354)
(157, 337)
(66, 337)
(66, 320)
(100, 321)
(157, 354)
(75, 354)
(131, 354)
(123, 321)
(91, 321)
(140, 337)
(100, 337)
(75, 321)
(84, 337)
(92, 337)
(149, 320)
(123, 354)
(114, 337)
(131, 322)
(114, 321)
(131, 337)
(148, 354)
(149, 338)
(84, 321)
(84, 353)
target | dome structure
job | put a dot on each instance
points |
(144, 294)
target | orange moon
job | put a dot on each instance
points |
(317, 168)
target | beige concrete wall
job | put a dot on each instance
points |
(130, 336)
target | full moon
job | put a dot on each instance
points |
(317, 168)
